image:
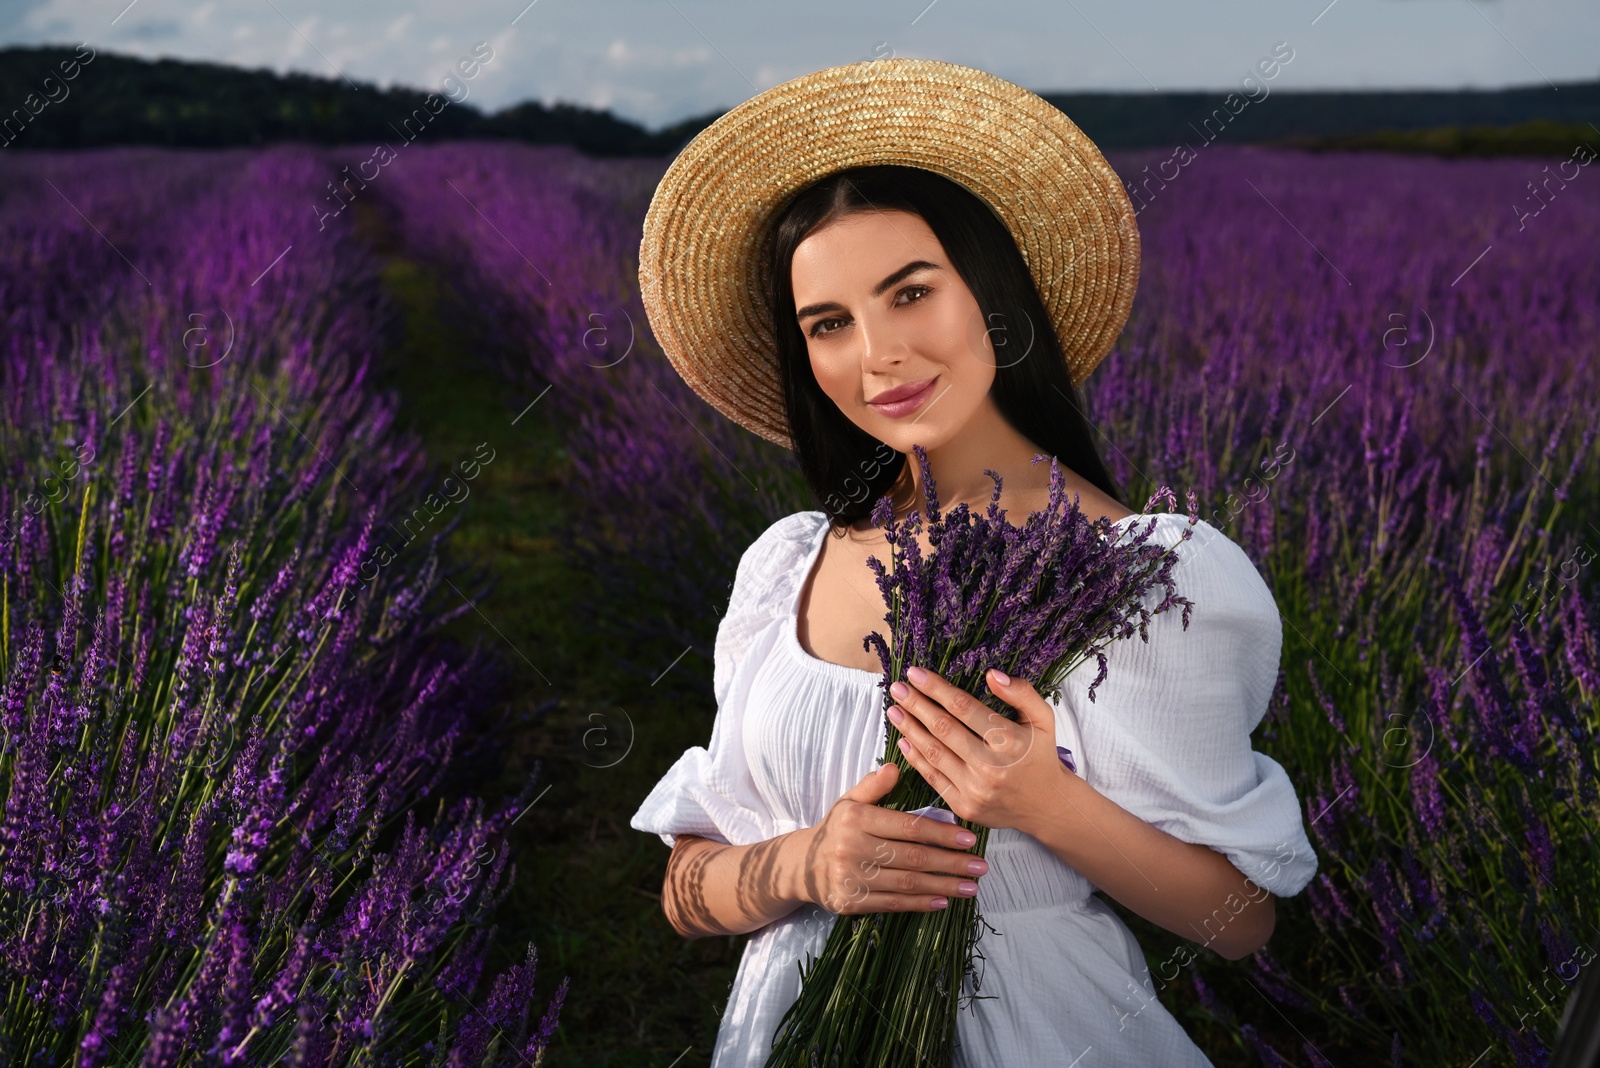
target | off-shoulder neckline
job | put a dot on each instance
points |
(791, 621)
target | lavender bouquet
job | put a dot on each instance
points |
(1037, 602)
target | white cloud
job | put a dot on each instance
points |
(767, 75)
(153, 29)
(650, 63)
(501, 43)
(658, 57)
(299, 36)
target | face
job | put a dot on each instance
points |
(883, 313)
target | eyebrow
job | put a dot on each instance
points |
(877, 290)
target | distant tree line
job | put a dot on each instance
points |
(62, 97)
(120, 100)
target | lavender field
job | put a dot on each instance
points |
(272, 792)
(234, 751)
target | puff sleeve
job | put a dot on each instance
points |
(709, 791)
(1168, 734)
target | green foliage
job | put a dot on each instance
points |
(121, 100)
(1537, 137)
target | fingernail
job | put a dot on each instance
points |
(967, 888)
(966, 838)
(1000, 676)
(895, 715)
(917, 675)
(940, 902)
(977, 867)
(898, 690)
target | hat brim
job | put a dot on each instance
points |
(702, 272)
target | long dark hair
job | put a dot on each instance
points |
(847, 468)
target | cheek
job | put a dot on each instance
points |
(973, 348)
(961, 336)
(987, 337)
(837, 377)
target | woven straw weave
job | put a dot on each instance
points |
(702, 269)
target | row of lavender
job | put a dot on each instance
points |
(234, 822)
(541, 244)
(1381, 382)
(1385, 382)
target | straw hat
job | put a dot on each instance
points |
(702, 259)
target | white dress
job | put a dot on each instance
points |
(1167, 738)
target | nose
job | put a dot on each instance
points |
(882, 346)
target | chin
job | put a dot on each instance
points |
(901, 438)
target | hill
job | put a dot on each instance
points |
(81, 98)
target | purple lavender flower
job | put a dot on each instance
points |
(1035, 601)
(194, 792)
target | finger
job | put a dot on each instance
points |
(916, 731)
(917, 857)
(942, 784)
(1020, 694)
(931, 749)
(937, 733)
(1034, 713)
(916, 880)
(910, 887)
(894, 826)
(947, 709)
(875, 784)
(885, 902)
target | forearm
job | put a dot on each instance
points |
(716, 889)
(1189, 889)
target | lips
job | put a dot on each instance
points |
(910, 389)
(903, 400)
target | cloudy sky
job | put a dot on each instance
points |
(658, 61)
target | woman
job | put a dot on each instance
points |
(949, 287)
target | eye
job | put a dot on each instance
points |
(817, 327)
(914, 293)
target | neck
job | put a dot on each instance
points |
(987, 441)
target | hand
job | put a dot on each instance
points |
(865, 858)
(989, 769)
